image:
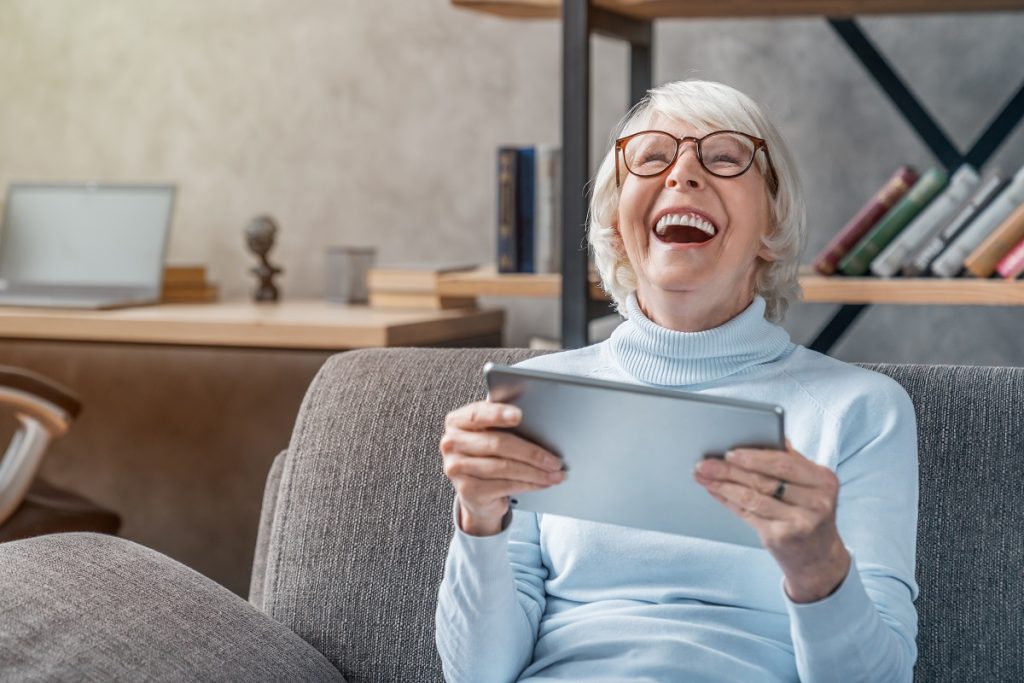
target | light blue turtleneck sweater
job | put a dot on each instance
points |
(553, 598)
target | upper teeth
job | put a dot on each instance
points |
(692, 220)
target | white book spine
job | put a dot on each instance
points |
(951, 261)
(894, 256)
(548, 213)
(989, 189)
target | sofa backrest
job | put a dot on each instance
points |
(357, 533)
(970, 545)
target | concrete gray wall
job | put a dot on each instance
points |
(375, 123)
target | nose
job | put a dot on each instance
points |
(686, 170)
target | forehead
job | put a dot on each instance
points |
(680, 128)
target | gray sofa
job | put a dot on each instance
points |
(356, 522)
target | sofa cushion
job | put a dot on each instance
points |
(363, 515)
(90, 607)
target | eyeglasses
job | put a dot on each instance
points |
(723, 153)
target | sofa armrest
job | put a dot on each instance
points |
(93, 607)
(259, 560)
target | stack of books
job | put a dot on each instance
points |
(934, 225)
(187, 284)
(529, 209)
(415, 285)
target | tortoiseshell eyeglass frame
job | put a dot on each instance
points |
(759, 144)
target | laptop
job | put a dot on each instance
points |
(84, 245)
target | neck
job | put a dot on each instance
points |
(691, 311)
(655, 354)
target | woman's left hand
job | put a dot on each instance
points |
(796, 519)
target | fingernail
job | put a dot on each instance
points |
(730, 455)
(553, 463)
(556, 476)
(510, 413)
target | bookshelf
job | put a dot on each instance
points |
(689, 9)
(632, 22)
(817, 289)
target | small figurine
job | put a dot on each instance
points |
(259, 236)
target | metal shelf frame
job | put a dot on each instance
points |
(580, 20)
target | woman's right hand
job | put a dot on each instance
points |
(487, 465)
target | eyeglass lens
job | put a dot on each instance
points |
(724, 154)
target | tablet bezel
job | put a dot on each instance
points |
(620, 492)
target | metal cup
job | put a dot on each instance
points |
(347, 271)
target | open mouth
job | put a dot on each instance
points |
(684, 228)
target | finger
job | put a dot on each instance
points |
(500, 444)
(753, 519)
(747, 500)
(487, 491)
(779, 465)
(459, 465)
(719, 470)
(483, 415)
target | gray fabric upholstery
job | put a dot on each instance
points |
(970, 547)
(362, 521)
(363, 513)
(357, 522)
(87, 607)
(259, 560)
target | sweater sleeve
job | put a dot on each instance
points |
(490, 602)
(866, 630)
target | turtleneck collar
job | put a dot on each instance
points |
(657, 355)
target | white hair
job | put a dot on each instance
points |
(711, 106)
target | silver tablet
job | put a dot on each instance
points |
(630, 450)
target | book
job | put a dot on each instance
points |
(412, 278)
(548, 212)
(982, 261)
(851, 233)
(951, 261)
(858, 259)
(508, 252)
(989, 189)
(1011, 266)
(419, 300)
(892, 259)
(526, 174)
(189, 295)
(184, 274)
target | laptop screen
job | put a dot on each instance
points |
(91, 235)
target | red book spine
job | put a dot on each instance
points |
(1011, 266)
(828, 259)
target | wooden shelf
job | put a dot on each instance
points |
(817, 289)
(487, 281)
(655, 9)
(932, 290)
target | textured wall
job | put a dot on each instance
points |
(375, 123)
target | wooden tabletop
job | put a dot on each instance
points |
(655, 9)
(294, 324)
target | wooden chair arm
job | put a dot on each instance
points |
(50, 403)
(44, 411)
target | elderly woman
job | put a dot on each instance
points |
(696, 224)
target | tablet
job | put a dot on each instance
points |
(630, 449)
